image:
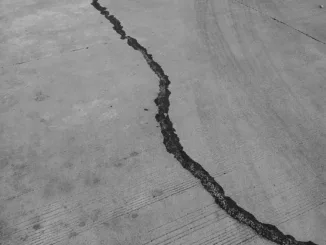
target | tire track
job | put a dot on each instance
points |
(173, 146)
(250, 78)
(178, 230)
(184, 226)
(135, 202)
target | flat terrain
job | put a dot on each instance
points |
(82, 159)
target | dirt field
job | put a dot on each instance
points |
(88, 152)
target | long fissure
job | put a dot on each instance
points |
(173, 146)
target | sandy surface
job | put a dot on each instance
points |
(82, 159)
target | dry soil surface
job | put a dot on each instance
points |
(82, 156)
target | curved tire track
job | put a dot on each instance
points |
(173, 146)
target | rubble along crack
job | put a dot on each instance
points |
(173, 146)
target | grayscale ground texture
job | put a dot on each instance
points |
(155, 122)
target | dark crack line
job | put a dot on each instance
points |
(281, 22)
(173, 146)
(52, 56)
(306, 34)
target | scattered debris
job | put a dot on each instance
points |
(40, 96)
(36, 226)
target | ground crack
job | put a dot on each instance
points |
(173, 146)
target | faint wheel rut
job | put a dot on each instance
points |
(173, 146)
